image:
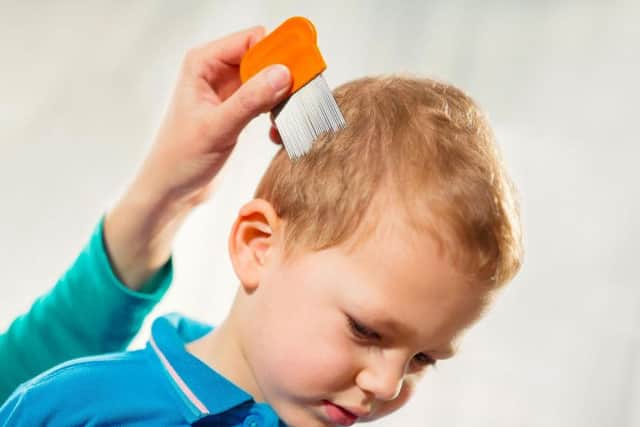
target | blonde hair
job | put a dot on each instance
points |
(432, 143)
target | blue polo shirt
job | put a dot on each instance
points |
(161, 385)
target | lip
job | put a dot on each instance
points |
(341, 415)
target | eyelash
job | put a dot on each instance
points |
(364, 333)
(423, 359)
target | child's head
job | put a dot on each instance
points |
(363, 262)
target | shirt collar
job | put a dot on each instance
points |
(204, 391)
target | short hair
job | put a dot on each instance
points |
(431, 142)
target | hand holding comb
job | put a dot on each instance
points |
(310, 110)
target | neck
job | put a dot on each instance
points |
(222, 351)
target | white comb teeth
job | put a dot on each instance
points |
(307, 114)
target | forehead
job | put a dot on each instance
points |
(400, 276)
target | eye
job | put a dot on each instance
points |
(361, 331)
(423, 360)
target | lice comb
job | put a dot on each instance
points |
(310, 110)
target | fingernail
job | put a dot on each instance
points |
(278, 76)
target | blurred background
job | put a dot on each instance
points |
(83, 86)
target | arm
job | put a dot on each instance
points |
(88, 311)
(99, 304)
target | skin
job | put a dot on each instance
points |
(208, 110)
(355, 325)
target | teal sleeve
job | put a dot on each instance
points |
(89, 311)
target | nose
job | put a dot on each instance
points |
(383, 378)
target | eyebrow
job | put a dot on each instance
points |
(445, 354)
(392, 325)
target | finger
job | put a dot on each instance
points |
(274, 136)
(257, 36)
(231, 49)
(259, 94)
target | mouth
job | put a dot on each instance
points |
(342, 416)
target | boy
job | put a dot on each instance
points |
(360, 265)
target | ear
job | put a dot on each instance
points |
(253, 237)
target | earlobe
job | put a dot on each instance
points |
(251, 240)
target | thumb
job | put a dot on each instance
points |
(259, 94)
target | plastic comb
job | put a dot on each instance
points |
(310, 110)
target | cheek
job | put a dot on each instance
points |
(299, 339)
(305, 351)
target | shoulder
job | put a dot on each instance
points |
(88, 376)
(102, 370)
(101, 388)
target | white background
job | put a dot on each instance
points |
(83, 86)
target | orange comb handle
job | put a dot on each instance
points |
(294, 44)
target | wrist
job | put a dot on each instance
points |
(139, 232)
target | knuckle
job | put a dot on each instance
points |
(248, 101)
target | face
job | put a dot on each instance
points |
(340, 335)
